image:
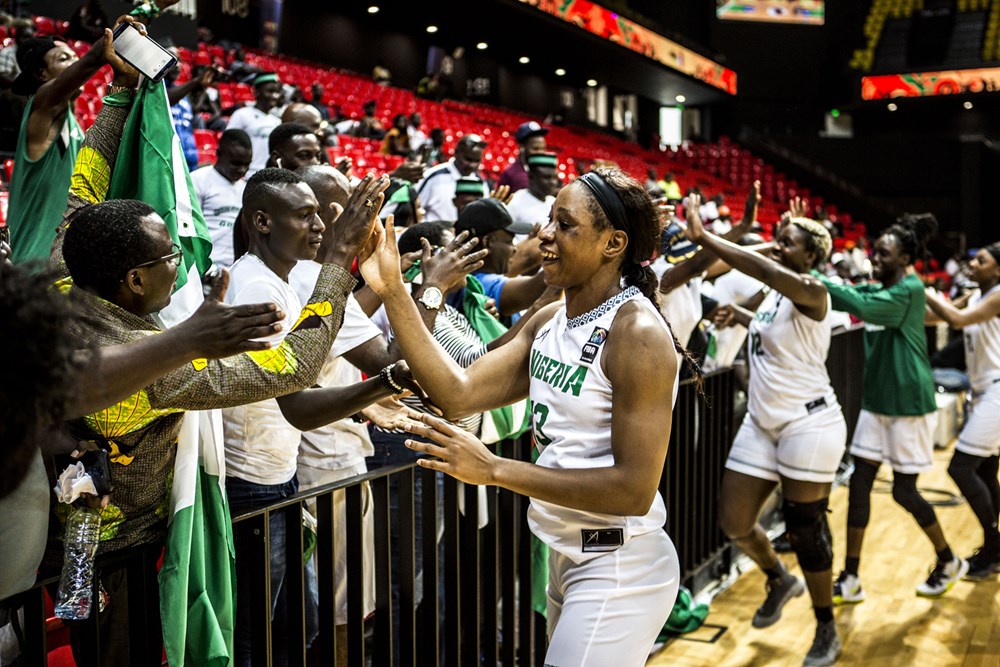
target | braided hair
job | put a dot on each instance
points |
(641, 223)
(912, 231)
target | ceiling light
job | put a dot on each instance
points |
(482, 46)
(591, 82)
(891, 106)
(524, 60)
(560, 72)
(967, 105)
(373, 10)
(681, 99)
(432, 28)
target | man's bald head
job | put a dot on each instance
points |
(305, 114)
(329, 186)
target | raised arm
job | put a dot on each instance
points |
(51, 102)
(96, 159)
(704, 259)
(498, 378)
(638, 346)
(957, 319)
(805, 291)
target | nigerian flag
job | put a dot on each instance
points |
(197, 580)
(151, 167)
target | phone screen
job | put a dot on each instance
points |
(151, 59)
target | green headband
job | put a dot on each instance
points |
(469, 186)
(543, 160)
(265, 78)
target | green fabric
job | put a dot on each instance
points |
(198, 580)
(489, 329)
(412, 272)
(898, 380)
(539, 565)
(150, 167)
(684, 617)
(38, 190)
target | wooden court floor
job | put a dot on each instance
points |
(892, 627)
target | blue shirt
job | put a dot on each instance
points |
(183, 117)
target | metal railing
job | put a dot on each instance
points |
(485, 614)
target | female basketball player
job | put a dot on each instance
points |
(974, 464)
(896, 424)
(601, 372)
(794, 431)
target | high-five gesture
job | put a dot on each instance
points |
(695, 229)
(354, 226)
(379, 259)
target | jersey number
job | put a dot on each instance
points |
(755, 347)
(539, 413)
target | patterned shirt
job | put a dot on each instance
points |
(140, 432)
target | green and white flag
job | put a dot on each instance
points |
(198, 577)
(151, 167)
(197, 580)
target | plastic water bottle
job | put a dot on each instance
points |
(83, 527)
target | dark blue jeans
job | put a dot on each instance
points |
(244, 495)
(390, 450)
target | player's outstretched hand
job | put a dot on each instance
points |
(458, 452)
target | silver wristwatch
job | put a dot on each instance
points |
(431, 298)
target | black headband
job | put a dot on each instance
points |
(609, 200)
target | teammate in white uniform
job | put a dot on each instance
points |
(601, 387)
(794, 431)
(975, 462)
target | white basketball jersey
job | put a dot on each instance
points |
(571, 422)
(982, 348)
(787, 352)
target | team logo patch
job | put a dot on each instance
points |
(601, 539)
(590, 348)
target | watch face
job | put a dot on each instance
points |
(432, 298)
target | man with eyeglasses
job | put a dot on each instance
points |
(123, 264)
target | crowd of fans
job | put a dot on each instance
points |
(287, 226)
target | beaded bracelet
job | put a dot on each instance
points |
(385, 375)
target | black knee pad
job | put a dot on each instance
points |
(904, 492)
(859, 505)
(809, 534)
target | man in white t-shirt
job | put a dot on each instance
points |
(437, 188)
(533, 204)
(262, 439)
(258, 121)
(219, 189)
(338, 450)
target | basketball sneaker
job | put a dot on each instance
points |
(942, 577)
(983, 564)
(779, 592)
(847, 589)
(825, 647)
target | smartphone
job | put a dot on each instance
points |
(152, 60)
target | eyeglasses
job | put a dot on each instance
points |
(174, 258)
